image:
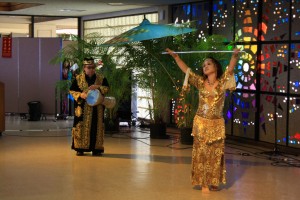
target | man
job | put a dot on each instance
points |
(88, 128)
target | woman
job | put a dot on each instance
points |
(88, 128)
(208, 162)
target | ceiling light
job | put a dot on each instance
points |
(70, 10)
(116, 4)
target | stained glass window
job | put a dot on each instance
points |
(245, 71)
(269, 33)
(295, 20)
(182, 12)
(268, 131)
(295, 69)
(243, 115)
(201, 14)
(228, 112)
(246, 20)
(275, 19)
(294, 116)
(223, 18)
(274, 67)
(197, 13)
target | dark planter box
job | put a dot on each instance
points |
(185, 136)
(158, 131)
(111, 126)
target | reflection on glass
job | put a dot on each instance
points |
(17, 26)
(55, 27)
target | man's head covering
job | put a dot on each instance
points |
(88, 61)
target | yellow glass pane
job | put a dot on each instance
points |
(254, 49)
(247, 39)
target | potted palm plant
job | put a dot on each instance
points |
(153, 73)
(119, 80)
(90, 46)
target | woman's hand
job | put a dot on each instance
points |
(233, 61)
(179, 62)
(236, 52)
(174, 55)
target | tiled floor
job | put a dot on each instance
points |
(36, 163)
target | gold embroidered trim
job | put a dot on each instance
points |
(78, 111)
(103, 89)
(75, 94)
(100, 129)
(81, 140)
(83, 85)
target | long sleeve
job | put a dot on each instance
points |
(75, 90)
(104, 87)
(229, 81)
(195, 79)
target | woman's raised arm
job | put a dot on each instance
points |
(178, 60)
(233, 61)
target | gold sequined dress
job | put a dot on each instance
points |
(208, 162)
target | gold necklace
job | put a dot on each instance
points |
(210, 84)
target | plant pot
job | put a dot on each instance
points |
(111, 125)
(158, 131)
(185, 136)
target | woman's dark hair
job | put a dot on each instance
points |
(217, 64)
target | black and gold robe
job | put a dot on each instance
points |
(88, 127)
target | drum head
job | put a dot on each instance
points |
(93, 97)
(109, 102)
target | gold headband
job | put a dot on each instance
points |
(88, 62)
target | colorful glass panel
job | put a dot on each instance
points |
(246, 20)
(275, 19)
(295, 69)
(268, 44)
(294, 116)
(268, 131)
(243, 115)
(222, 22)
(295, 34)
(274, 68)
(200, 15)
